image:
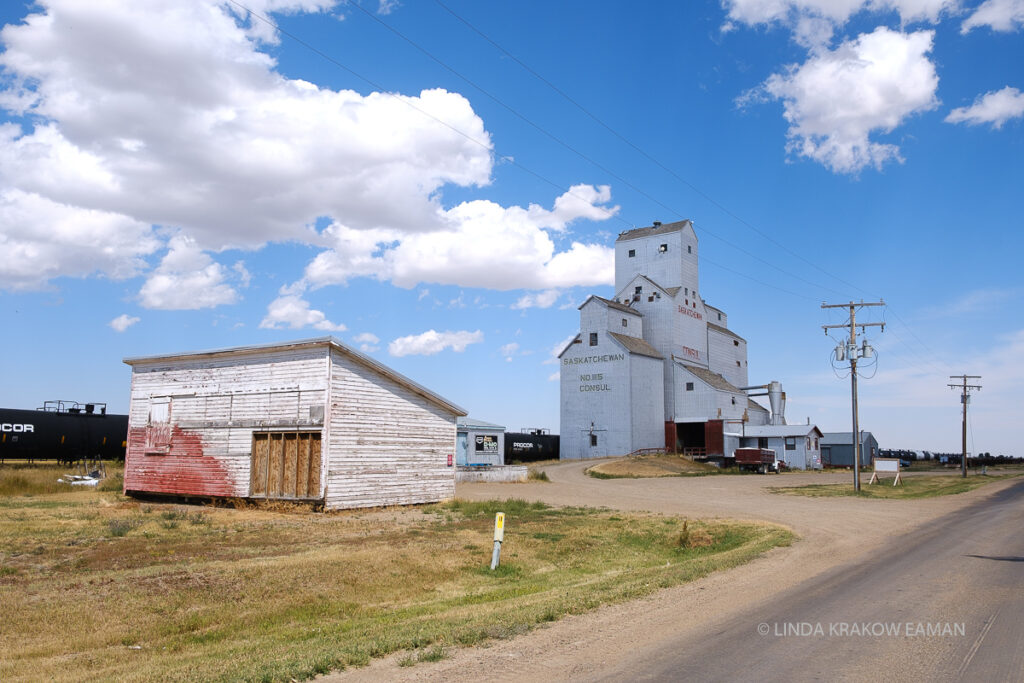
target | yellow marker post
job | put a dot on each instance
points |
(499, 536)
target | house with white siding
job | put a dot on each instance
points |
(311, 420)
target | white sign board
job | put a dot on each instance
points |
(884, 466)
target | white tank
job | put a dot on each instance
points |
(777, 400)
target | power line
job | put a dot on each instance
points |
(643, 152)
(554, 138)
(379, 87)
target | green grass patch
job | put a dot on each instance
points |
(257, 594)
(924, 486)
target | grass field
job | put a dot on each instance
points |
(923, 486)
(95, 585)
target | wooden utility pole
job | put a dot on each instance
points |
(965, 397)
(851, 352)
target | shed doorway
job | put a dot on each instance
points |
(285, 465)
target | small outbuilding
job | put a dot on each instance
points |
(796, 445)
(479, 442)
(837, 449)
(312, 420)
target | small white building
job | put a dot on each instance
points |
(479, 443)
(310, 420)
(799, 446)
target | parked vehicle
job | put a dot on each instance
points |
(760, 460)
(65, 431)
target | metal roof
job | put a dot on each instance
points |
(754, 405)
(725, 330)
(844, 438)
(328, 342)
(708, 377)
(654, 230)
(575, 340)
(472, 423)
(780, 430)
(612, 304)
(636, 345)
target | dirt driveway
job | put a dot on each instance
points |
(833, 531)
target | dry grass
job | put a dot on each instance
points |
(924, 486)
(660, 465)
(98, 586)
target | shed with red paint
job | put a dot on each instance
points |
(310, 420)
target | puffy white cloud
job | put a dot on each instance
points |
(837, 99)
(431, 342)
(999, 15)
(508, 351)
(290, 311)
(813, 21)
(543, 299)
(188, 279)
(367, 342)
(41, 239)
(466, 252)
(123, 322)
(996, 107)
(168, 113)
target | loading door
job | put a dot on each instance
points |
(285, 465)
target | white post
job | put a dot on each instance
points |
(499, 536)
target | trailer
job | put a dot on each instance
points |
(760, 460)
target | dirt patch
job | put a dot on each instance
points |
(661, 465)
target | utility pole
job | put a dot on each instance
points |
(965, 398)
(852, 352)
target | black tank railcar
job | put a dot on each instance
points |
(65, 431)
(530, 446)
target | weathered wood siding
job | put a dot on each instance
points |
(388, 445)
(215, 404)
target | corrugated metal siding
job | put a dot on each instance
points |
(387, 445)
(215, 407)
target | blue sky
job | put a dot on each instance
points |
(441, 184)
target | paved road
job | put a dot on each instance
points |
(962, 575)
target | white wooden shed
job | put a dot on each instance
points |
(308, 420)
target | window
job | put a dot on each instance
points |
(719, 316)
(815, 443)
(734, 400)
(762, 442)
(738, 364)
(625, 323)
(735, 343)
(593, 338)
(689, 386)
(663, 248)
(689, 249)
(808, 445)
(593, 439)
(790, 443)
(638, 289)
(158, 426)
(686, 291)
(632, 253)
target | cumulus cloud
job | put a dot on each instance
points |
(999, 15)
(188, 279)
(168, 113)
(465, 253)
(543, 299)
(813, 21)
(41, 239)
(431, 342)
(123, 322)
(996, 107)
(290, 311)
(367, 342)
(837, 99)
(508, 351)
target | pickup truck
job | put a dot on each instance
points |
(759, 459)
